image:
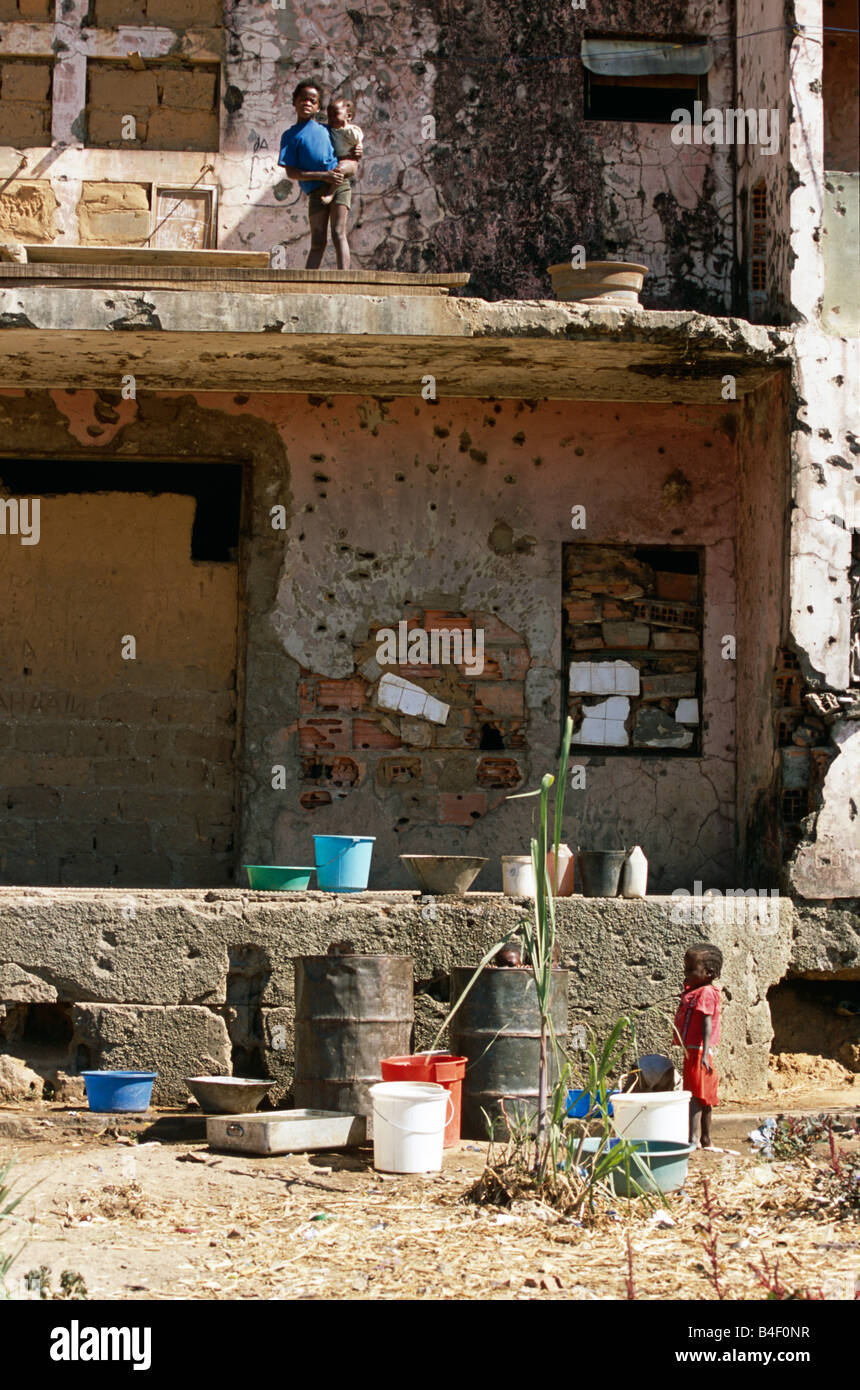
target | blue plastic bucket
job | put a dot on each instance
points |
(581, 1105)
(343, 862)
(112, 1091)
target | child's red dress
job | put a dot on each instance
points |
(694, 1006)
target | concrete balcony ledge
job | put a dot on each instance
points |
(125, 267)
(198, 337)
(147, 971)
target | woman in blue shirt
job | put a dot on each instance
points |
(308, 156)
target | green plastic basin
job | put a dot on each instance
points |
(286, 878)
(664, 1166)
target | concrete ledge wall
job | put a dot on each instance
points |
(826, 941)
(147, 972)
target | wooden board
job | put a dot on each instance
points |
(102, 259)
(227, 278)
(140, 256)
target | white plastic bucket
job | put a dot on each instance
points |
(518, 875)
(409, 1119)
(652, 1115)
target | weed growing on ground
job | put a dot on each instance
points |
(768, 1277)
(836, 1186)
(553, 1164)
(795, 1137)
(836, 1189)
(72, 1284)
(710, 1243)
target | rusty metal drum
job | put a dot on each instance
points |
(497, 1027)
(351, 1011)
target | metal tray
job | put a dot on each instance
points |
(285, 1131)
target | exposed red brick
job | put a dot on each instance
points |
(499, 772)
(495, 631)
(344, 772)
(416, 673)
(454, 622)
(345, 694)
(461, 808)
(516, 734)
(403, 771)
(492, 670)
(677, 586)
(331, 734)
(583, 610)
(499, 698)
(369, 733)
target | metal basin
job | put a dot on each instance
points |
(227, 1095)
(444, 874)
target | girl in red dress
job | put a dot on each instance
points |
(697, 1027)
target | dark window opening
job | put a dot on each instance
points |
(215, 487)
(650, 97)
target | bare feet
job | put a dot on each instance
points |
(326, 197)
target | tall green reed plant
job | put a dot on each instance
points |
(538, 935)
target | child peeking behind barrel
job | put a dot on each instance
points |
(697, 1028)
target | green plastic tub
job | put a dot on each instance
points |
(285, 878)
(662, 1166)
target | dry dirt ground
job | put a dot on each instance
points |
(141, 1209)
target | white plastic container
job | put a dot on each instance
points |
(518, 876)
(563, 888)
(634, 875)
(652, 1115)
(409, 1119)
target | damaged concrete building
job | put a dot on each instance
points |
(224, 485)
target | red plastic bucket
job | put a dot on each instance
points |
(443, 1068)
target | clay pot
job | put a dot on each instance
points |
(599, 282)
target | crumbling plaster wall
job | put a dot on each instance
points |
(465, 504)
(762, 609)
(825, 486)
(475, 159)
(764, 82)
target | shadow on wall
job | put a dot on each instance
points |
(504, 173)
(249, 973)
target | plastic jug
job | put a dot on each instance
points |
(634, 875)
